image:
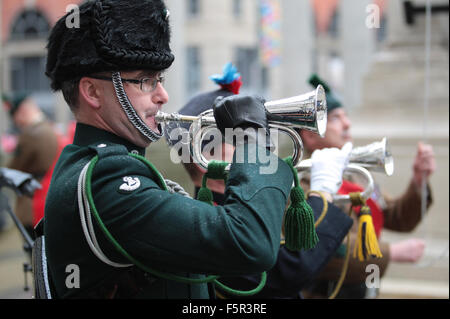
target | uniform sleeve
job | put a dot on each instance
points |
(172, 233)
(400, 214)
(356, 271)
(35, 151)
(294, 269)
(403, 214)
(23, 155)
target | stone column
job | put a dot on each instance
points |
(393, 105)
(3, 114)
(395, 84)
(290, 78)
(357, 46)
(176, 74)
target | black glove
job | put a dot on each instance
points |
(241, 111)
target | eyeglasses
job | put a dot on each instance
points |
(146, 84)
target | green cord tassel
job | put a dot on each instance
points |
(216, 170)
(299, 229)
(204, 193)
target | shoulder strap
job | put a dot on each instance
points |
(108, 149)
(104, 150)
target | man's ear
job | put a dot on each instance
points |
(90, 91)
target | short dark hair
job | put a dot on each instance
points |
(70, 90)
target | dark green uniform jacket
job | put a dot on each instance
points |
(166, 232)
(294, 270)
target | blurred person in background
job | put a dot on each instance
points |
(401, 214)
(37, 149)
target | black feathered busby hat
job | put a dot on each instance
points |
(113, 35)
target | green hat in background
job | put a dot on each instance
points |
(333, 101)
(14, 100)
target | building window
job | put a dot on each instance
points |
(237, 8)
(193, 7)
(253, 73)
(193, 70)
(28, 74)
(30, 24)
(333, 27)
(381, 32)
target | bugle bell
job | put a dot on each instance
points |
(306, 111)
(374, 157)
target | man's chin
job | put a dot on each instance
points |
(347, 139)
(155, 127)
(342, 143)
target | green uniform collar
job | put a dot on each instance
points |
(87, 135)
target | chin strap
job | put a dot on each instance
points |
(133, 117)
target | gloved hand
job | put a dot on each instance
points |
(243, 111)
(327, 167)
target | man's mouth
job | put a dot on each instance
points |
(150, 120)
(346, 136)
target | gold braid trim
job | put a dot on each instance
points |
(325, 206)
(347, 252)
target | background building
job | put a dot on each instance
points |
(371, 56)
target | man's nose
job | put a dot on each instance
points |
(160, 95)
(347, 122)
